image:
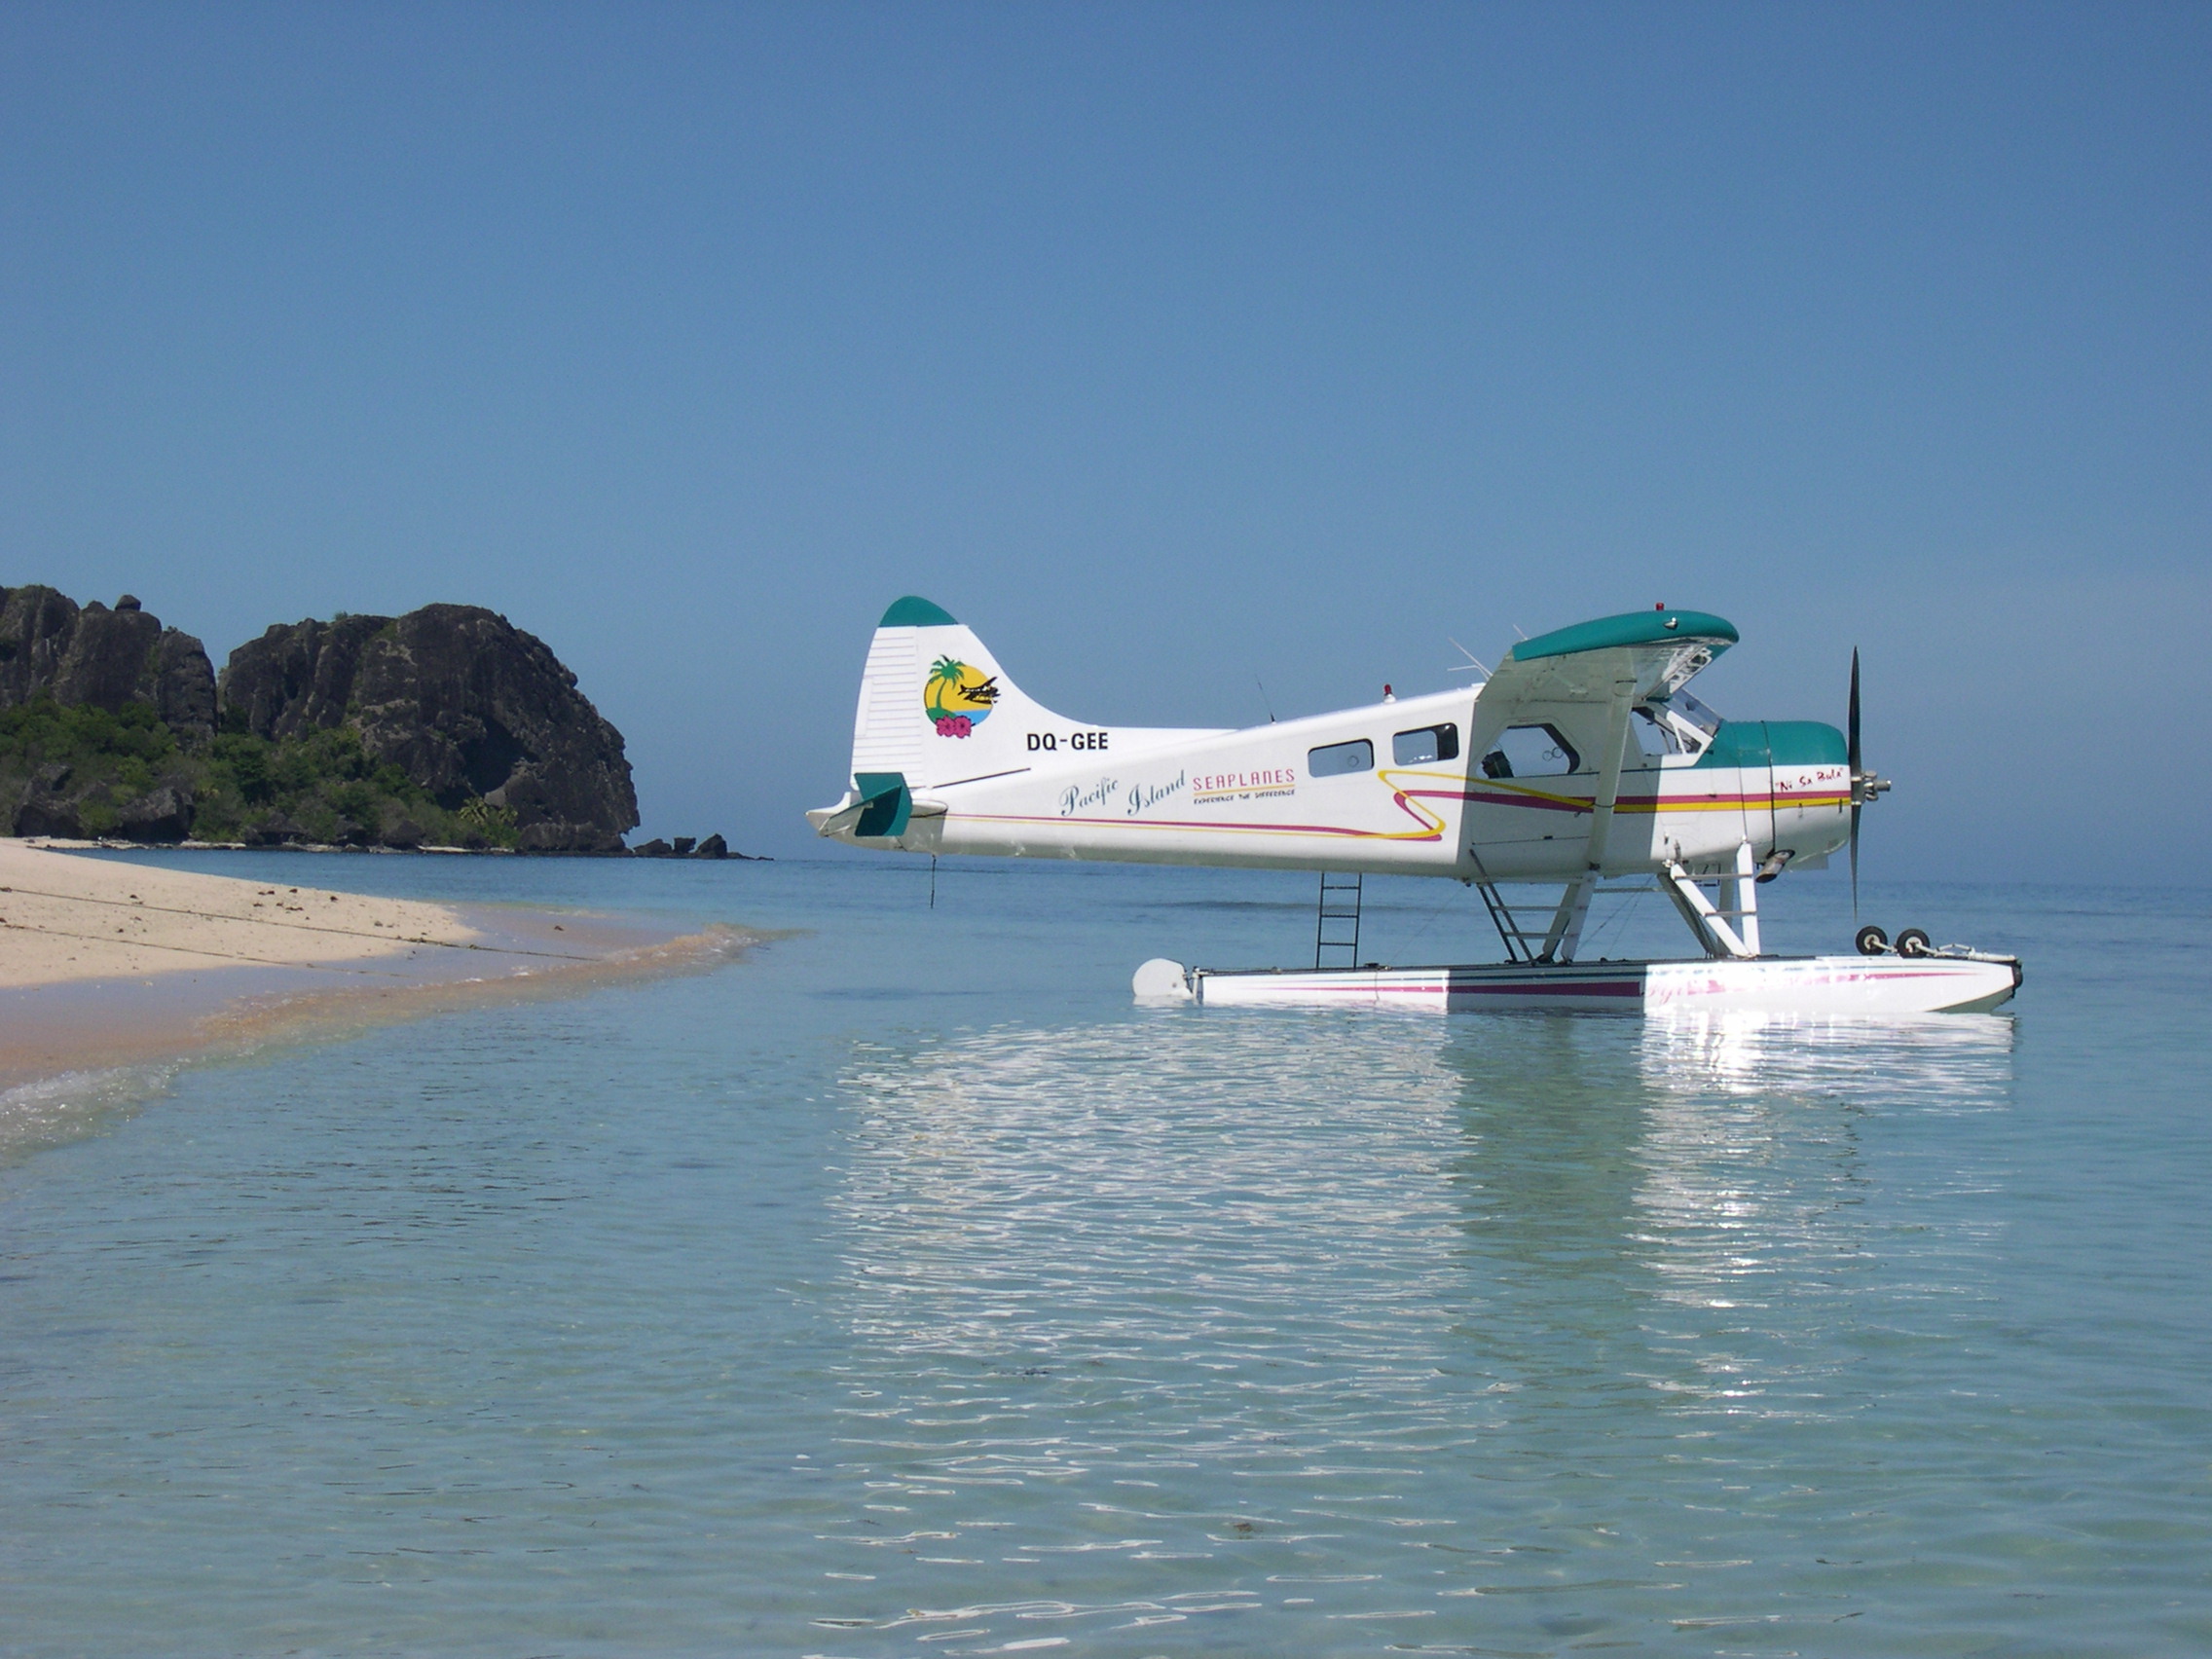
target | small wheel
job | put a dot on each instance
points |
(1872, 940)
(1913, 943)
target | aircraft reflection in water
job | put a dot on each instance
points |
(1583, 760)
(1770, 1230)
(1019, 1195)
(1938, 1063)
(1156, 1283)
(999, 1181)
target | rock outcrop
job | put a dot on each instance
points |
(161, 814)
(298, 676)
(448, 724)
(103, 658)
(44, 804)
(467, 706)
(686, 847)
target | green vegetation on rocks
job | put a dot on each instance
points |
(323, 789)
(444, 727)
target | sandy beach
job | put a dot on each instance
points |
(65, 918)
(104, 963)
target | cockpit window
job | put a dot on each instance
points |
(1679, 725)
(1695, 711)
(1656, 735)
(1530, 751)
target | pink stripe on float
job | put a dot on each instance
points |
(1608, 988)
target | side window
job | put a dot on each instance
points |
(1358, 755)
(1530, 751)
(1430, 743)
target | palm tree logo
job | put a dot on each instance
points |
(958, 697)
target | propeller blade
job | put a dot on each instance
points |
(1858, 789)
(1851, 726)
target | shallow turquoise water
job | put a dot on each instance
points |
(905, 1290)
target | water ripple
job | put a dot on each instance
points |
(1330, 1293)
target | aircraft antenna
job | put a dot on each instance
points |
(1265, 700)
(1474, 663)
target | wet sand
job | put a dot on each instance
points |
(105, 964)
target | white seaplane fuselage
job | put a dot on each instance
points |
(1582, 759)
(1250, 798)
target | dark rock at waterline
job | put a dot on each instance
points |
(462, 701)
(161, 814)
(51, 647)
(684, 847)
(47, 817)
(277, 831)
(43, 803)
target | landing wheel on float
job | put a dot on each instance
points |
(1872, 940)
(1913, 943)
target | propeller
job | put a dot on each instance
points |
(1865, 784)
(1858, 802)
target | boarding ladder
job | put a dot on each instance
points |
(1336, 922)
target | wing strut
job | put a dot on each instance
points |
(1739, 904)
(1574, 904)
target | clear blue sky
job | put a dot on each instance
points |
(1171, 347)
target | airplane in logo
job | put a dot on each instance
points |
(1583, 762)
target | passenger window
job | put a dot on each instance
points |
(1530, 751)
(1358, 755)
(1430, 743)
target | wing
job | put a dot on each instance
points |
(1615, 662)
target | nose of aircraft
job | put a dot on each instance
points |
(1799, 742)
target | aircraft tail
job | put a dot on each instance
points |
(937, 710)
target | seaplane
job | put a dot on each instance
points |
(1581, 766)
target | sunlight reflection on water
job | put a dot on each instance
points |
(1247, 1303)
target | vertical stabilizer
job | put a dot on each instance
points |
(935, 711)
(935, 706)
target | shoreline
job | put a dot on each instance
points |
(114, 844)
(108, 965)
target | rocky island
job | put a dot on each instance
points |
(445, 726)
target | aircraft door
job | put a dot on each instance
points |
(1528, 791)
(1757, 763)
